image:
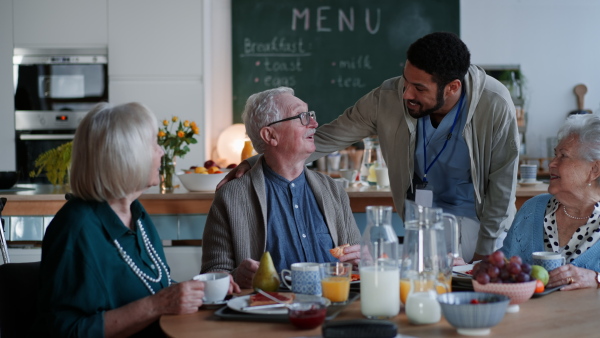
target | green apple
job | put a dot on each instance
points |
(538, 272)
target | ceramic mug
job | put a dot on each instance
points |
(306, 278)
(548, 260)
(528, 173)
(216, 285)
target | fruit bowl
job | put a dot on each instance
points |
(201, 182)
(517, 292)
(473, 313)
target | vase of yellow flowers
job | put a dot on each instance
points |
(174, 136)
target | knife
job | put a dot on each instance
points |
(263, 307)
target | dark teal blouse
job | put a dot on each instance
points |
(83, 274)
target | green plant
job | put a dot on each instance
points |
(56, 163)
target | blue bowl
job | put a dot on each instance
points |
(473, 319)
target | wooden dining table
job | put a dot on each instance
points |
(558, 314)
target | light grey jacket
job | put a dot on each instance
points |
(236, 227)
(490, 132)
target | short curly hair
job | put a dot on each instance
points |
(441, 54)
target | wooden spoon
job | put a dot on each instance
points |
(580, 90)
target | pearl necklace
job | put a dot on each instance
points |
(573, 217)
(153, 256)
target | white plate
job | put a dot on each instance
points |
(528, 184)
(463, 269)
(239, 303)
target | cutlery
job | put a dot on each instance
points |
(263, 307)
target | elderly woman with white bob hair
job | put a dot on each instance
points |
(566, 221)
(103, 269)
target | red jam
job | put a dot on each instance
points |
(310, 318)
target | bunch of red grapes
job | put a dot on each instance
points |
(495, 268)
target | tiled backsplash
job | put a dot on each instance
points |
(169, 227)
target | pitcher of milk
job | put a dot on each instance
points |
(431, 243)
(379, 268)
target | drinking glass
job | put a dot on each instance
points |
(335, 281)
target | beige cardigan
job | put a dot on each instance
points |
(236, 227)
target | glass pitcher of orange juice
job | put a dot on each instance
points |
(431, 242)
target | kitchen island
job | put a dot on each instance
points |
(179, 218)
(44, 200)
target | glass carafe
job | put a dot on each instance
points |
(431, 243)
(379, 268)
(371, 157)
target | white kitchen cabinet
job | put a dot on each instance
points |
(155, 38)
(155, 57)
(7, 106)
(182, 98)
(60, 23)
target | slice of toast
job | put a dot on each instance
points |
(258, 299)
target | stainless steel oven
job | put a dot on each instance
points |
(54, 89)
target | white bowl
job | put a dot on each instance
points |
(201, 182)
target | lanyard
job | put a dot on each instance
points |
(445, 142)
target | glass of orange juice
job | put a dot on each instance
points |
(335, 281)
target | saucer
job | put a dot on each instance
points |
(214, 305)
(527, 184)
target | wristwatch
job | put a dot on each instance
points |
(598, 279)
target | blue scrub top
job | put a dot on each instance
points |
(450, 175)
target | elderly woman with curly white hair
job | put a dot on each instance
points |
(566, 221)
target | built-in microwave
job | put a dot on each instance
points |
(59, 79)
(53, 90)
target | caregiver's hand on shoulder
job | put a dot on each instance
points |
(236, 172)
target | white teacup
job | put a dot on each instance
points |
(548, 260)
(216, 285)
(306, 278)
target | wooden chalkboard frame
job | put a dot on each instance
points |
(331, 52)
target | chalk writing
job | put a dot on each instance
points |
(360, 62)
(345, 19)
(348, 82)
(278, 46)
(282, 66)
(276, 81)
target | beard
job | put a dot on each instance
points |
(418, 113)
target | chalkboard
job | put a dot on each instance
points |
(331, 52)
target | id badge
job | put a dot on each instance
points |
(424, 195)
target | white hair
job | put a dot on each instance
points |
(260, 110)
(113, 151)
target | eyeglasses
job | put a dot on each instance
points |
(304, 118)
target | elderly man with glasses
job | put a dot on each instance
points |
(296, 214)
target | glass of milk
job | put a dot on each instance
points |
(379, 268)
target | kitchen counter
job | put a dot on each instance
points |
(41, 199)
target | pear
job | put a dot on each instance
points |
(266, 277)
